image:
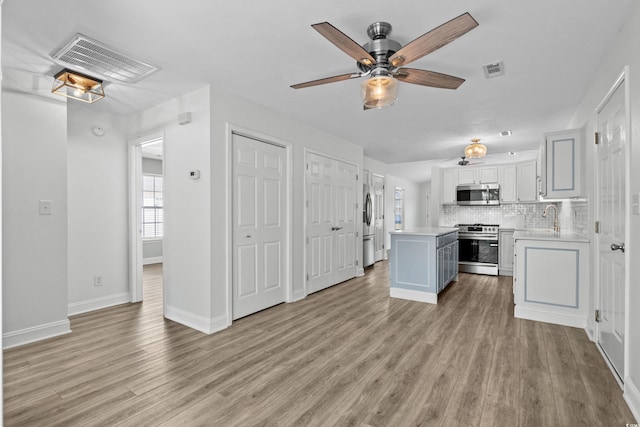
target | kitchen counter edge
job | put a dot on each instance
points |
(562, 236)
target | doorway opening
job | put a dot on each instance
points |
(147, 220)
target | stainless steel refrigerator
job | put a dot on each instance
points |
(368, 232)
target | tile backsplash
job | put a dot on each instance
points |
(573, 215)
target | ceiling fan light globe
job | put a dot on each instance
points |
(379, 91)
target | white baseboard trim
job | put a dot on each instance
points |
(35, 333)
(632, 397)
(153, 260)
(414, 295)
(545, 316)
(297, 296)
(98, 303)
(360, 272)
(194, 321)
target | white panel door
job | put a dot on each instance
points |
(259, 171)
(612, 206)
(345, 221)
(378, 216)
(331, 222)
(320, 236)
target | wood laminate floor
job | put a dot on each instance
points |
(345, 356)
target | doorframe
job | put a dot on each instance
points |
(622, 79)
(135, 219)
(231, 129)
(384, 202)
(359, 200)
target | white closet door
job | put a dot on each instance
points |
(259, 171)
(331, 222)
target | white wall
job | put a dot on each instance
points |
(1, 316)
(413, 217)
(34, 137)
(98, 211)
(623, 51)
(152, 166)
(187, 211)
(227, 108)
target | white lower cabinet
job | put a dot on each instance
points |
(551, 281)
(505, 252)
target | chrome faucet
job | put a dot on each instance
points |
(556, 227)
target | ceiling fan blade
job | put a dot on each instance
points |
(326, 80)
(344, 43)
(433, 40)
(428, 78)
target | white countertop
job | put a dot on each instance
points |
(426, 231)
(546, 234)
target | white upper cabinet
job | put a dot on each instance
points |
(449, 184)
(527, 182)
(508, 183)
(486, 174)
(518, 181)
(478, 175)
(466, 176)
(560, 170)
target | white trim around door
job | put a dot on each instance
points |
(232, 129)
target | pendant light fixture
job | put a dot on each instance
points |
(78, 86)
(475, 149)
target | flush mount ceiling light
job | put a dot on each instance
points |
(78, 86)
(380, 90)
(475, 149)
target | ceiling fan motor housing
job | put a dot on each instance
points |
(380, 47)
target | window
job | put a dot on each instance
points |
(398, 208)
(152, 223)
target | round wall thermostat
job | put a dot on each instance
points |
(98, 131)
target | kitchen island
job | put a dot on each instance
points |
(423, 262)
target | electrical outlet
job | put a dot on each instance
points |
(97, 280)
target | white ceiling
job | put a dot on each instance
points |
(257, 49)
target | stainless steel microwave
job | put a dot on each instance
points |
(478, 194)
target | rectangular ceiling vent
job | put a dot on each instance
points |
(94, 58)
(493, 70)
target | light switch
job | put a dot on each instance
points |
(45, 207)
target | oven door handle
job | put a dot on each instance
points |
(478, 237)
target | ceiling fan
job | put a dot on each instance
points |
(381, 59)
(465, 162)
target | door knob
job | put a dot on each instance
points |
(619, 247)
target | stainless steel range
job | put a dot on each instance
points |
(478, 251)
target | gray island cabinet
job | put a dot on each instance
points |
(423, 262)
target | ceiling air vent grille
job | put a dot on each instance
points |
(493, 70)
(93, 57)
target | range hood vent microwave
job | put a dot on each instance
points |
(478, 194)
